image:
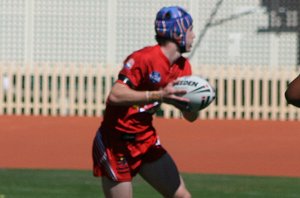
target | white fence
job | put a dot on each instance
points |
(81, 90)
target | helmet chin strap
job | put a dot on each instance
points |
(182, 49)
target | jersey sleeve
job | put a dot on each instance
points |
(187, 71)
(133, 71)
(189, 68)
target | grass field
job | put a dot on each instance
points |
(78, 184)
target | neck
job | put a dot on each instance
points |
(171, 51)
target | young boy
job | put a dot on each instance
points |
(126, 143)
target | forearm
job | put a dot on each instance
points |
(124, 96)
(121, 94)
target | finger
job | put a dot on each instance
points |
(181, 99)
(179, 91)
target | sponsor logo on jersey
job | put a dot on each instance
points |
(129, 64)
(122, 165)
(155, 77)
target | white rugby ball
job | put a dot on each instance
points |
(199, 91)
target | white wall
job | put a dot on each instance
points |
(106, 31)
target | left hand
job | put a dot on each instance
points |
(171, 95)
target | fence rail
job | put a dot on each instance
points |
(81, 90)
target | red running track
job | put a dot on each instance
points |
(266, 148)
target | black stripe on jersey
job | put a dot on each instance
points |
(126, 80)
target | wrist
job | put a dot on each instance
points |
(152, 96)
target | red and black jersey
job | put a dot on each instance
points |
(145, 69)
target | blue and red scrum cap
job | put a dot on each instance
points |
(172, 22)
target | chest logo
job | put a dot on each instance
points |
(155, 77)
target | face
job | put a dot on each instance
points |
(189, 38)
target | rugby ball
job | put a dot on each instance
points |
(198, 90)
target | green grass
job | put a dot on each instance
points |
(81, 184)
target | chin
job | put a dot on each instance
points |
(189, 48)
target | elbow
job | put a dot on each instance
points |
(113, 99)
(288, 96)
(190, 116)
(192, 119)
(118, 95)
(292, 98)
(117, 99)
